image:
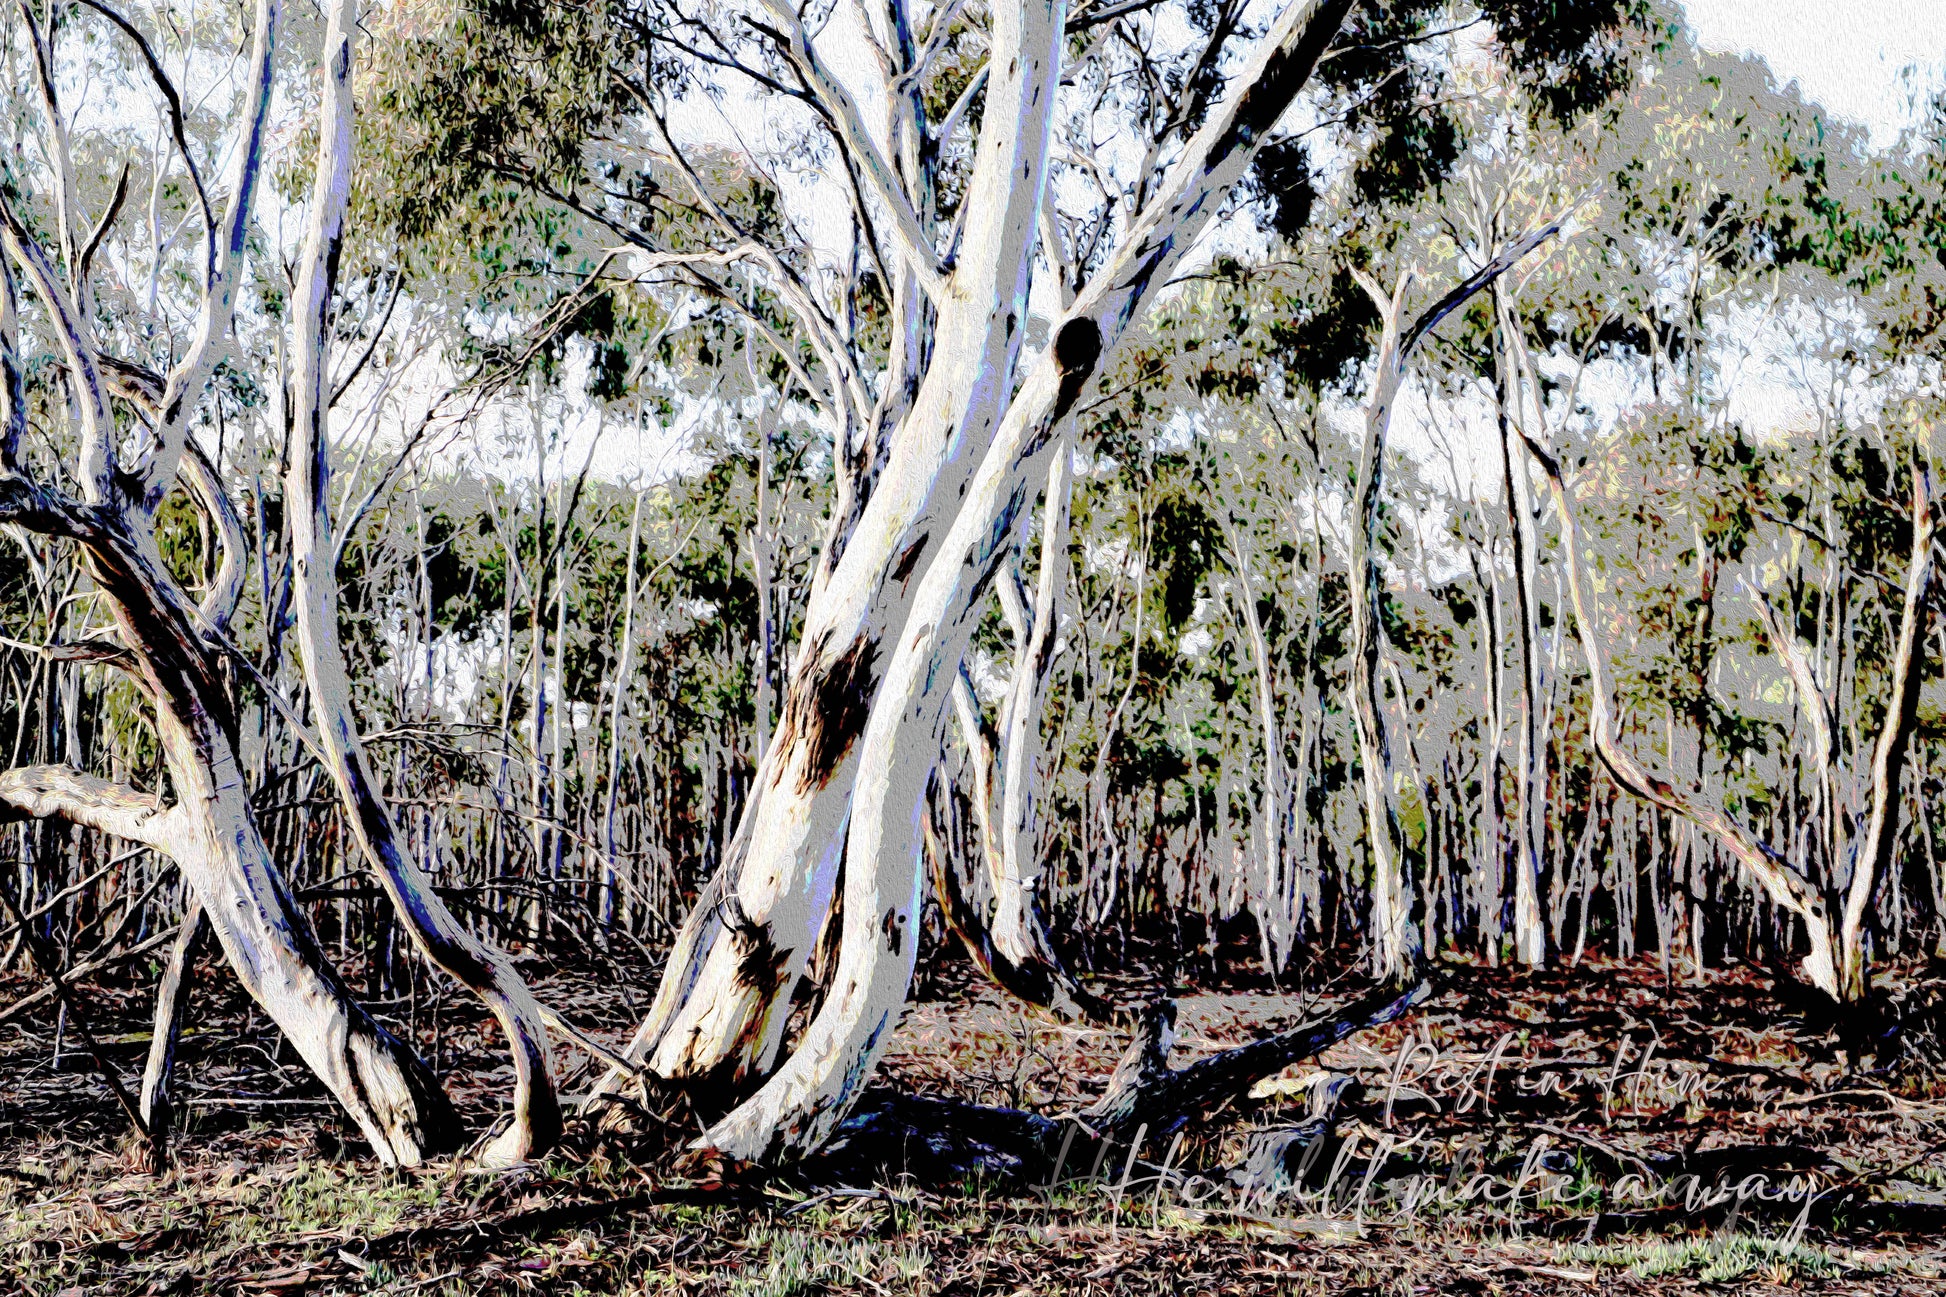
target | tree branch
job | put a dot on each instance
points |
(37, 792)
(168, 90)
(97, 460)
(222, 277)
(841, 110)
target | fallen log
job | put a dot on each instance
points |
(944, 1139)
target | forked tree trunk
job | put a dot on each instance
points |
(1530, 770)
(1396, 941)
(1395, 948)
(1837, 963)
(1872, 858)
(438, 934)
(720, 1008)
(847, 775)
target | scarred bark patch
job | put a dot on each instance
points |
(829, 717)
(909, 559)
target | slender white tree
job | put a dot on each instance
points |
(172, 646)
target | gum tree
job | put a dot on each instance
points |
(134, 425)
(1014, 185)
(1020, 183)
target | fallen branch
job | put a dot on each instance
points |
(945, 1139)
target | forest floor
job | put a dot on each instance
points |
(1520, 1133)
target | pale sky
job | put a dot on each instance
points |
(1848, 55)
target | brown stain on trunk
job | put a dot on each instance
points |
(828, 716)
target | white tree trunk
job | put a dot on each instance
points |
(719, 1009)
(1276, 924)
(1395, 938)
(1530, 771)
(1873, 857)
(846, 776)
(1396, 941)
(440, 936)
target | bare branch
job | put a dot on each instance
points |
(1502, 261)
(181, 136)
(191, 373)
(848, 124)
(950, 122)
(38, 792)
(97, 463)
(95, 236)
(96, 651)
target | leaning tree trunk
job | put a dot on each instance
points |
(171, 1001)
(1786, 887)
(958, 539)
(211, 831)
(439, 935)
(1837, 962)
(212, 835)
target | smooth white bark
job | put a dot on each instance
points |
(439, 935)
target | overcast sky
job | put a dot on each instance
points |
(1846, 54)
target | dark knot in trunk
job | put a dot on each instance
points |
(1077, 349)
